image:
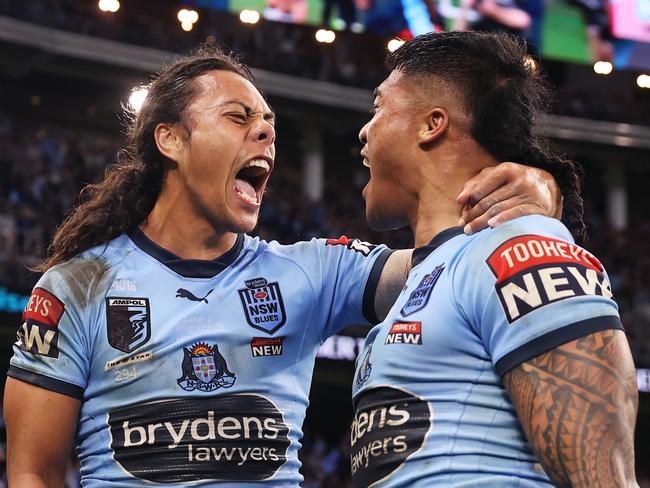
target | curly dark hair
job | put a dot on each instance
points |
(129, 189)
(505, 94)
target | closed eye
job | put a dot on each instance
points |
(238, 117)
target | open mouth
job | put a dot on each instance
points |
(251, 180)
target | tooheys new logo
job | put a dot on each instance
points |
(532, 271)
(389, 425)
(228, 437)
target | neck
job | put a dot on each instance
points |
(434, 214)
(442, 181)
(184, 233)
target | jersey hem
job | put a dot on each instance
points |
(369, 311)
(46, 382)
(555, 338)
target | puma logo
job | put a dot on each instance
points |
(183, 293)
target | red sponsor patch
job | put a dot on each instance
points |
(412, 327)
(260, 294)
(43, 307)
(341, 241)
(266, 341)
(405, 333)
(524, 252)
(266, 346)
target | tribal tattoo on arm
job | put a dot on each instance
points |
(577, 405)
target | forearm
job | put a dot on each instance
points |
(577, 405)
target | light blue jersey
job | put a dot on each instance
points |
(192, 372)
(431, 410)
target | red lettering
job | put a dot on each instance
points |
(520, 253)
(43, 307)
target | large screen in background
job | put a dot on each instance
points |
(558, 28)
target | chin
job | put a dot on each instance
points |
(379, 223)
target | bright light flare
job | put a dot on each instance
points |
(187, 16)
(394, 44)
(137, 98)
(186, 26)
(325, 35)
(603, 67)
(643, 81)
(109, 5)
(249, 16)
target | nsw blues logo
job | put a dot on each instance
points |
(204, 369)
(420, 296)
(263, 305)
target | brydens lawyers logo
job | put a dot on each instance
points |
(420, 296)
(204, 369)
(39, 332)
(405, 333)
(266, 346)
(263, 305)
(532, 271)
(236, 437)
(128, 322)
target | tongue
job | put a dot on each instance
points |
(245, 188)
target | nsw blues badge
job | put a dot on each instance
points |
(263, 305)
(420, 296)
(204, 368)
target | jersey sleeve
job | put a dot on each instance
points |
(345, 273)
(525, 288)
(51, 350)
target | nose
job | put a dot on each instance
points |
(264, 131)
(363, 134)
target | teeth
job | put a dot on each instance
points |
(260, 163)
(366, 163)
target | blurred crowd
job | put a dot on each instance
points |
(355, 59)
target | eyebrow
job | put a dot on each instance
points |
(268, 116)
(377, 92)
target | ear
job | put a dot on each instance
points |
(170, 140)
(435, 126)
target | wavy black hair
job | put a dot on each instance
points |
(504, 93)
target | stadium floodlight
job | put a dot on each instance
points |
(186, 26)
(325, 35)
(109, 5)
(187, 16)
(603, 67)
(138, 95)
(394, 44)
(249, 16)
(643, 81)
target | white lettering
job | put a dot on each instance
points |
(551, 284)
(34, 335)
(128, 442)
(177, 436)
(529, 295)
(209, 422)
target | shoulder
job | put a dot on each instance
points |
(90, 273)
(521, 239)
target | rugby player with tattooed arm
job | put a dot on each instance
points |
(503, 361)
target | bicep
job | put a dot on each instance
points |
(391, 281)
(40, 432)
(577, 405)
